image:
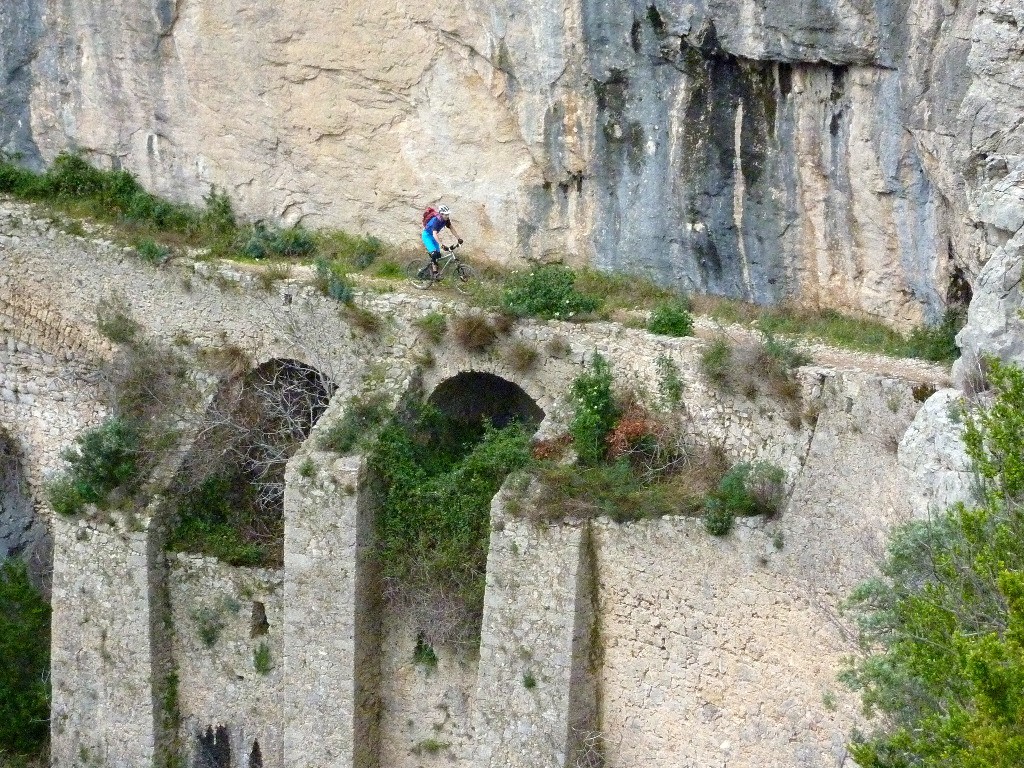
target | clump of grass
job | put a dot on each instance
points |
(114, 319)
(474, 332)
(433, 326)
(307, 468)
(558, 347)
(366, 320)
(620, 290)
(529, 681)
(716, 360)
(331, 280)
(355, 251)
(423, 654)
(261, 660)
(430, 747)
(746, 489)
(521, 356)
(548, 292)
(271, 274)
(670, 382)
(151, 251)
(671, 318)
(364, 415)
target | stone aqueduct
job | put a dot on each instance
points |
(678, 649)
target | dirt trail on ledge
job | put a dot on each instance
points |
(24, 223)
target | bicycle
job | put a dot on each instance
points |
(419, 273)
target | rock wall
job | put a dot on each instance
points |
(840, 154)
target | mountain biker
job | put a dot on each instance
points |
(436, 223)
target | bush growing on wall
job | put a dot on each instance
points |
(101, 460)
(596, 411)
(439, 478)
(24, 666)
(548, 292)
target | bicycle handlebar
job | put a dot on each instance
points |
(450, 248)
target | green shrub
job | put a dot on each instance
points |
(782, 355)
(746, 489)
(24, 664)
(261, 660)
(101, 460)
(331, 280)
(716, 361)
(307, 468)
(151, 251)
(213, 520)
(547, 292)
(434, 326)
(595, 411)
(529, 681)
(438, 478)
(364, 415)
(942, 626)
(671, 319)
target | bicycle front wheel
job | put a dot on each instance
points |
(464, 278)
(418, 272)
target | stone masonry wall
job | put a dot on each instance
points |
(222, 616)
(763, 599)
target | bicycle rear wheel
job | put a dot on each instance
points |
(418, 272)
(464, 278)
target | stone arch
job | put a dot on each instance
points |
(254, 423)
(475, 396)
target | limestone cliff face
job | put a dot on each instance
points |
(831, 152)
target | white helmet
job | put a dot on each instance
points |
(444, 210)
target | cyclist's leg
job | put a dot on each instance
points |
(433, 250)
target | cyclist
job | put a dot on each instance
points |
(436, 223)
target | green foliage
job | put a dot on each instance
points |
(430, 747)
(547, 292)
(434, 326)
(101, 460)
(261, 659)
(671, 318)
(262, 242)
(423, 654)
(595, 411)
(307, 468)
(670, 383)
(114, 320)
(356, 251)
(746, 489)
(331, 280)
(209, 624)
(214, 519)
(782, 355)
(365, 413)
(716, 360)
(529, 681)
(151, 251)
(24, 664)
(439, 478)
(943, 624)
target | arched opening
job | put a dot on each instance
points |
(213, 749)
(232, 483)
(475, 397)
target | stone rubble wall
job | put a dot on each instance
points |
(218, 684)
(104, 671)
(763, 599)
(536, 693)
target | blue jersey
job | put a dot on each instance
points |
(435, 225)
